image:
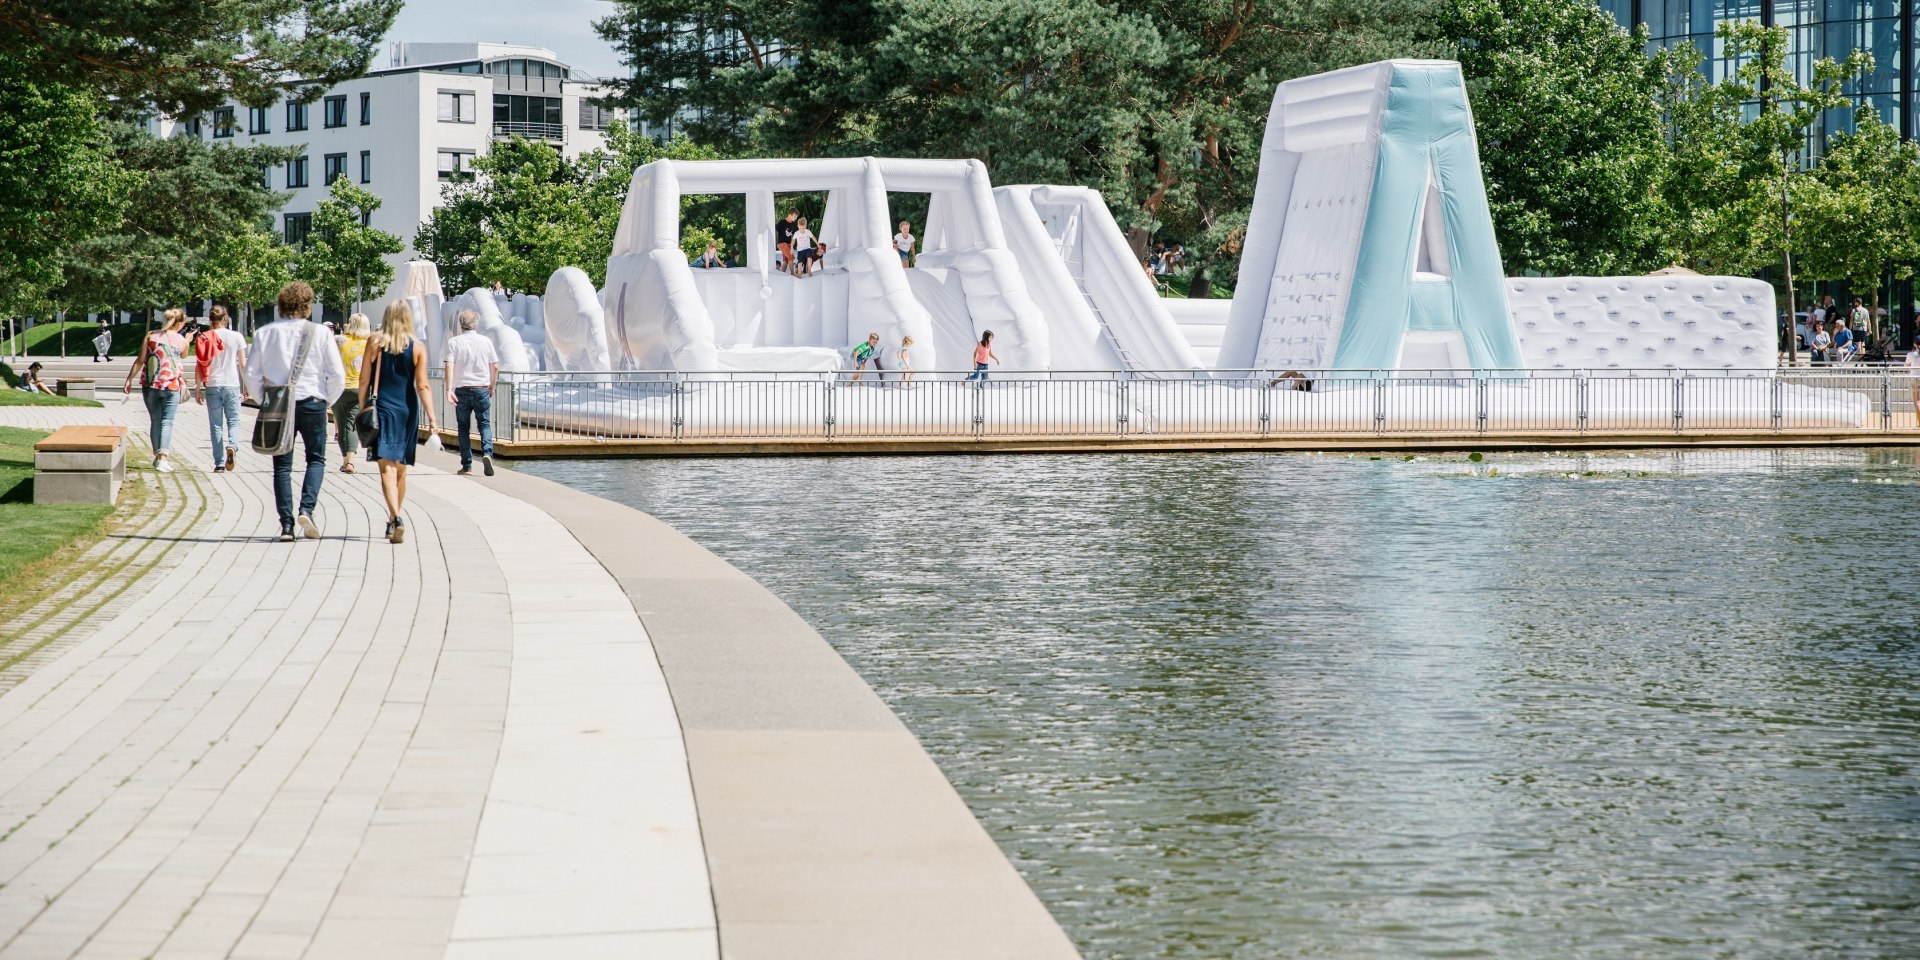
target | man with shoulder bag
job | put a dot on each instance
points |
(296, 372)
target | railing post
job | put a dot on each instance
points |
(1379, 403)
(1779, 403)
(679, 407)
(506, 411)
(979, 408)
(1479, 402)
(1124, 395)
(1886, 400)
(1679, 411)
(1580, 400)
(1266, 406)
(832, 385)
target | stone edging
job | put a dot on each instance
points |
(830, 834)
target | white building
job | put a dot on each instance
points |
(405, 130)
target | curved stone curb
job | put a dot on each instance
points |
(830, 833)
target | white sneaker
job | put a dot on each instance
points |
(164, 466)
(308, 527)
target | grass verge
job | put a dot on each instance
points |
(36, 538)
(10, 396)
(44, 339)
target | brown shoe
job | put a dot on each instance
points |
(232, 458)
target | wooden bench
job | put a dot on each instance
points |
(80, 465)
(80, 388)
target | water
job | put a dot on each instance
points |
(1246, 706)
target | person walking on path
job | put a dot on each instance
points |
(906, 363)
(162, 369)
(393, 380)
(982, 352)
(103, 344)
(1862, 319)
(1913, 377)
(220, 354)
(353, 349)
(472, 366)
(313, 385)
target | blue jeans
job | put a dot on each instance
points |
(310, 422)
(470, 402)
(979, 372)
(161, 407)
(223, 420)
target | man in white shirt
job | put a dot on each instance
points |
(221, 354)
(1913, 376)
(315, 385)
(471, 367)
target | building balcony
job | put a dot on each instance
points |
(555, 132)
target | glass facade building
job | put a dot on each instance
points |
(1816, 29)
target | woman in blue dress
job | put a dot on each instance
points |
(393, 379)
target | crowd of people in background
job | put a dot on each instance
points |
(372, 386)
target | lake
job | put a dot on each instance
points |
(1632, 705)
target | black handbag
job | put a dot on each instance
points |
(367, 421)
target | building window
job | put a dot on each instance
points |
(594, 116)
(298, 226)
(266, 176)
(366, 166)
(456, 164)
(366, 109)
(194, 125)
(334, 167)
(296, 116)
(334, 112)
(457, 107)
(536, 118)
(296, 172)
(223, 122)
(257, 120)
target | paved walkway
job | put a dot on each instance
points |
(213, 744)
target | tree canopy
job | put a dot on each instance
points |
(1567, 107)
(529, 211)
(345, 257)
(59, 180)
(182, 56)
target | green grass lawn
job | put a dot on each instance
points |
(1177, 288)
(11, 396)
(32, 538)
(44, 340)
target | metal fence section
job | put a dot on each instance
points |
(811, 406)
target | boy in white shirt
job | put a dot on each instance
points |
(903, 242)
(804, 255)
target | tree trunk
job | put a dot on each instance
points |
(1138, 240)
(1200, 287)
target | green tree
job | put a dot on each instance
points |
(1719, 193)
(529, 211)
(1567, 107)
(183, 56)
(1788, 112)
(59, 181)
(191, 195)
(345, 256)
(247, 267)
(1860, 219)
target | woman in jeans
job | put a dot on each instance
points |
(162, 370)
(353, 348)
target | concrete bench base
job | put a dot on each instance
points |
(80, 465)
(77, 389)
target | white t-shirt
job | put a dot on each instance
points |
(903, 242)
(224, 371)
(1913, 360)
(803, 239)
(472, 358)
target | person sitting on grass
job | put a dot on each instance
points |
(32, 383)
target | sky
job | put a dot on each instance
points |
(563, 26)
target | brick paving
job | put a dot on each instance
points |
(213, 744)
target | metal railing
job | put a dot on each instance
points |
(641, 405)
(530, 129)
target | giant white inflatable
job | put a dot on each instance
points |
(1369, 248)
